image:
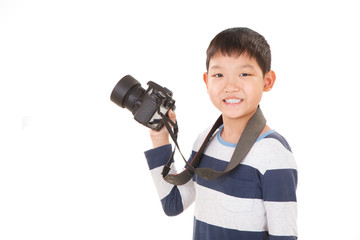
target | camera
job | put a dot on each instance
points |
(148, 107)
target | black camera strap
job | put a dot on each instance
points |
(251, 132)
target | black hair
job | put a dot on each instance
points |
(238, 41)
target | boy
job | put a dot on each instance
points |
(256, 200)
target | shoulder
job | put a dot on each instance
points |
(271, 152)
(201, 137)
(276, 136)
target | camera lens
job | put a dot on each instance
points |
(127, 92)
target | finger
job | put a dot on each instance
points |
(172, 115)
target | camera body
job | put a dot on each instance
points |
(148, 107)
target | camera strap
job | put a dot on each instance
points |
(249, 136)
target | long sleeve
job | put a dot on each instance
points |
(279, 184)
(174, 199)
(280, 203)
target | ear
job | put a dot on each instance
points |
(205, 78)
(269, 82)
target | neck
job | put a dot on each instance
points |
(233, 128)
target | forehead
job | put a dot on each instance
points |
(243, 60)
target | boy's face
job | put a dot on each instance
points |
(235, 84)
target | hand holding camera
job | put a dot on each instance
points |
(161, 137)
(148, 107)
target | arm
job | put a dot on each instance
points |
(279, 192)
(174, 199)
(278, 182)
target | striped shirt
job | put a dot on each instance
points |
(255, 201)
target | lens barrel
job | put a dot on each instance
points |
(126, 92)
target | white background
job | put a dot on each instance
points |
(71, 161)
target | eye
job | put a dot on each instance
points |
(244, 74)
(218, 75)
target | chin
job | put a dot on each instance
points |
(238, 115)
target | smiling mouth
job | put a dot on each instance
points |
(233, 100)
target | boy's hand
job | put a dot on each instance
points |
(161, 138)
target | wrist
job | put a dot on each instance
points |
(158, 141)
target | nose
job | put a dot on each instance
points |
(232, 85)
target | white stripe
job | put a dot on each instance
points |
(214, 148)
(269, 154)
(266, 154)
(163, 188)
(200, 139)
(281, 218)
(225, 211)
(217, 150)
(187, 191)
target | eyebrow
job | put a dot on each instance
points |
(241, 66)
(246, 66)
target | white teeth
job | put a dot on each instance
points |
(233, 100)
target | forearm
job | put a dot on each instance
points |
(174, 199)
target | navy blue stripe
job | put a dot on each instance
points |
(172, 203)
(281, 139)
(282, 237)
(243, 181)
(159, 156)
(280, 185)
(204, 231)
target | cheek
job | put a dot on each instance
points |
(214, 96)
(254, 91)
(212, 88)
